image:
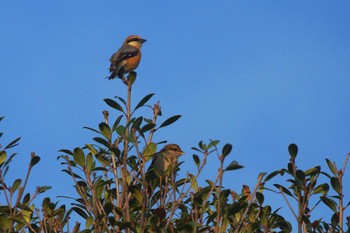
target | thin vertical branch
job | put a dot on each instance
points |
(113, 169)
(253, 195)
(4, 188)
(25, 182)
(125, 192)
(177, 202)
(218, 208)
(143, 180)
(289, 205)
(156, 111)
(341, 194)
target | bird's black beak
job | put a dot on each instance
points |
(142, 41)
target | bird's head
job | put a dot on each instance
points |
(173, 149)
(135, 41)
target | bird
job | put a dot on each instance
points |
(166, 159)
(127, 58)
(162, 168)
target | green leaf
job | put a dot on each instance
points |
(26, 212)
(297, 185)
(196, 160)
(43, 189)
(121, 100)
(226, 150)
(332, 167)
(114, 105)
(137, 194)
(293, 150)
(182, 182)
(330, 203)
(144, 100)
(34, 160)
(147, 127)
(102, 141)
(322, 188)
(327, 227)
(213, 143)
(233, 166)
(202, 145)
(3, 156)
(116, 151)
(12, 144)
(170, 121)
(283, 189)
(196, 149)
(335, 220)
(108, 208)
(80, 211)
(26, 198)
(271, 175)
(306, 219)
(46, 203)
(15, 185)
(76, 176)
(137, 123)
(211, 218)
(105, 130)
(336, 185)
(132, 77)
(91, 129)
(149, 151)
(121, 131)
(224, 195)
(89, 222)
(18, 220)
(116, 123)
(89, 162)
(265, 213)
(194, 183)
(68, 152)
(91, 149)
(300, 175)
(237, 207)
(211, 183)
(285, 225)
(187, 227)
(260, 197)
(79, 157)
(103, 160)
(99, 189)
(313, 171)
(290, 168)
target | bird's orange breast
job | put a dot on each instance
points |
(132, 62)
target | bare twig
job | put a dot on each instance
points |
(240, 225)
(177, 202)
(156, 111)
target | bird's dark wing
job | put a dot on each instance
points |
(123, 53)
(117, 64)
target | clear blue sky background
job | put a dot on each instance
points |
(257, 74)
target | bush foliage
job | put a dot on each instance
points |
(114, 191)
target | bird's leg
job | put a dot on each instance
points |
(125, 81)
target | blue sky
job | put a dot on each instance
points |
(257, 74)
